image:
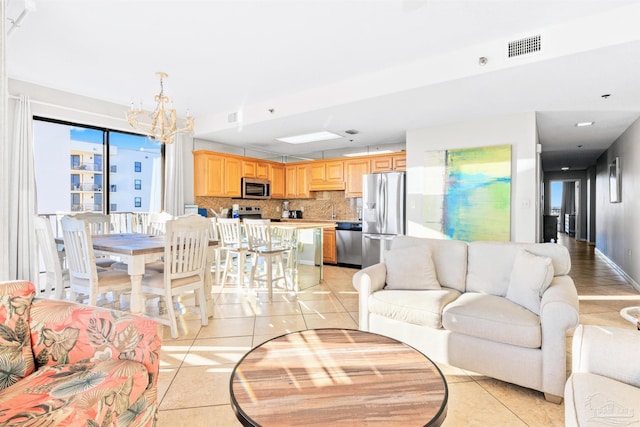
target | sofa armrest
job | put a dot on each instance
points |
(366, 282)
(607, 351)
(558, 314)
(65, 332)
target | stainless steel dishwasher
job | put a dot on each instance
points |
(349, 243)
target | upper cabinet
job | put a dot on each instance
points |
(277, 178)
(391, 162)
(354, 169)
(327, 175)
(216, 175)
(219, 175)
(297, 179)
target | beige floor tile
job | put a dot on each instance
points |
(330, 320)
(198, 386)
(472, 406)
(529, 405)
(210, 416)
(327, 305)
(279, 308)
(173, 352)
(165, 378)
(278, 325)
(217, 351)
(236, 327)
(227, 311)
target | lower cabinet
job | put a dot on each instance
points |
(329, 253)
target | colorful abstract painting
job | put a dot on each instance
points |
(472, 195)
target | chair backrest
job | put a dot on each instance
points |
(258, 233)
(99, 223)
(186, 244)
(230, 232)
(53, 285)
(78, 248)
(213, 229)
(157, 221)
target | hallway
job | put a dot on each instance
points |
(602, 290)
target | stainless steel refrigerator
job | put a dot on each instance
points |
(383, 213)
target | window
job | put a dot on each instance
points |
(69, 162)
(137, 184)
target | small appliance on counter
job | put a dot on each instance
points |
(295, 214)
(285, 209)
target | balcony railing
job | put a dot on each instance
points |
(89, 167)
(86, 187)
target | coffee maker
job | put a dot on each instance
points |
(285, 209)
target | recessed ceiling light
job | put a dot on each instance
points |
(581, 124)
(565, 168)
(309, 137)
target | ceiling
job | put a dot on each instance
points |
(381, 67)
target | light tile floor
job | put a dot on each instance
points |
(195, 369)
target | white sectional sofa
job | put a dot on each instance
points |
(604, 387)
(498, 309)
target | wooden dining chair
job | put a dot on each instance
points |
(230, 234)
(56, 278)
(99, 223)
(84, 276)
(262, 247)
(185, 264)
(156, 225)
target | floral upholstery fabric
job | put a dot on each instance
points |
(94, 367)
(91, 394)
(16, 357)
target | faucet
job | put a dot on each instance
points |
(333, 213)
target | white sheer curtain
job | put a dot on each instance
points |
(174, 180)
(5, 160)
(22, 196)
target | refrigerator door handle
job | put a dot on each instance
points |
(384, 203)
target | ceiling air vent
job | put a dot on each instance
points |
(232, 117)
(524, 46)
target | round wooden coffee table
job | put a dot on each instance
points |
(337, 377)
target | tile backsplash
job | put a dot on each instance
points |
(317, 208)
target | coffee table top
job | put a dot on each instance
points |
(337, 376)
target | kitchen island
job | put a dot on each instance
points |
(306, 270)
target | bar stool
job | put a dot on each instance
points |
(230, 235)
(262, 246)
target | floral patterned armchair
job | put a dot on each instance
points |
(67, 364)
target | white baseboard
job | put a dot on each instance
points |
(618, 269)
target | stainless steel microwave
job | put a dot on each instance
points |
(253, 188)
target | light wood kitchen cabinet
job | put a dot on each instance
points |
(393, 162)
(262, 170)
(327, 175)
(329, 253)
(297, 181)
(277, 178)
(248, 169)
(354, 169)
(216, 175)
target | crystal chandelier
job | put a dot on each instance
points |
(162, 124)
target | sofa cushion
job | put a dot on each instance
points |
(77, 394)
(410, 268)
(16, 356)
(493, 318)
(417, 307)
(596, 400)
(449, 258)
(530, 277)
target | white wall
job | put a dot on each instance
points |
(517, 130)
(617, 230)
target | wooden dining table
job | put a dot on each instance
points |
(136, 250)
